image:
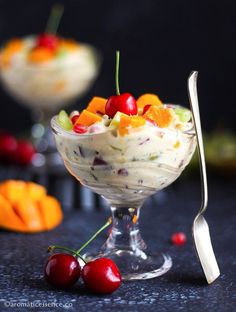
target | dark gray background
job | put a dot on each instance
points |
(161, 41)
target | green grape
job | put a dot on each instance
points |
(64, 120)
(183, 113)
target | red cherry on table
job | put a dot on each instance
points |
(8, 146)
(62, 270)
(101, 276)
(49, 41)
(24, 152)
(124, 103)
(178, 238)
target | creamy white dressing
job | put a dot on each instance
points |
(127, 168)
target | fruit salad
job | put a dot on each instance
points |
(131, 150)
(125, 149)
(46, 71)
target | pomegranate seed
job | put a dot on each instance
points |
(178, 238)
(74, 119)
(78, 128)
(146, 108)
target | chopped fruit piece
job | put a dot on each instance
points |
(124, 103)
(162, 116)
(40, 54)
(183, 113)
(14, 45)
(28, 212)
(35, 191)
(97, 105)
(13, 190)
(8, 218)
(177, 144)
(74, 119)
(148, 98)
(49, 41)
(116, 119)
(87, 118)
(64, 120)
(74, 116)
(51, 213)
(99, 162)
(78, 128)
(25, 207)
(178, 238)
(127, 122)
(146, 108)
(69, 44)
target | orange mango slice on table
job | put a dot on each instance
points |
(162, 116)
(127, 122)
(26, 207)
(29, 213)
(97, 105)
(13, 190)
(87, 118)
(51, 212)
(35, 191)
(8, 217)
(148, 99)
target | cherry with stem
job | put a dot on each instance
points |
(124, 103)
(77, 253)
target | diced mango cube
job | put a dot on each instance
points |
(148, 99)
(162, 116)
(87, 118)
(97, 105)
(127, 122)
(40, 54)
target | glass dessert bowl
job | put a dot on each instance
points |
(45, 72)
(126, 159)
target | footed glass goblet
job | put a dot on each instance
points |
(126, 170)
(44, 87)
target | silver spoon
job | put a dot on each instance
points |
(200, 227)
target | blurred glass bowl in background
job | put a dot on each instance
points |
(45, 79)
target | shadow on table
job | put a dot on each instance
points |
(186, 278)
(41, 284)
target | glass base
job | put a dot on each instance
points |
(135, 266)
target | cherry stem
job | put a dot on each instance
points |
(95, 235)
(117, 72)
(54, 19)
(53, 247)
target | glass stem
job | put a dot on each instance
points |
(125, 234)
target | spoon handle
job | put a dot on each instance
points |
(193, 99)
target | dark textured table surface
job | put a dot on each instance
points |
(183, 288)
